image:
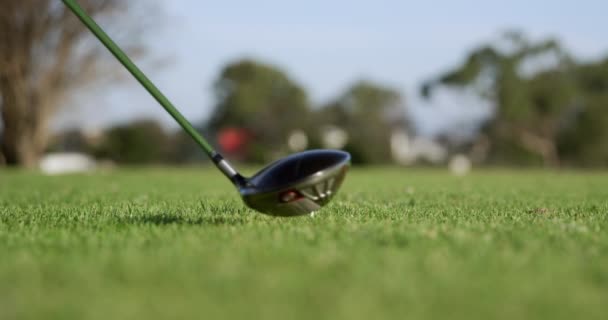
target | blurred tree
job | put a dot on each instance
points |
(584, 136)
(140, 142)
(368, 112)
(531, 87)
(262, 100)
(44, 53)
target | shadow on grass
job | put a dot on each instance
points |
(169, 219)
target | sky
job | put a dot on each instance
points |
(327, 45)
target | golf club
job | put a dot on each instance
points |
(299, 184)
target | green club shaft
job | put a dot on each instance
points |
(139, 75)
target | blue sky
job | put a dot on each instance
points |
(326, 45)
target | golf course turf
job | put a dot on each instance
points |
(395, 243)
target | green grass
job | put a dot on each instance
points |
(395, 243)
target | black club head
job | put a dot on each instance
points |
(298, 184)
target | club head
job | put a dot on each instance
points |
(298, 184)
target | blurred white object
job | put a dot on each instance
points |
(407, 150)
(460, 165)
(297, 141)
(334, 137)
(61, 163)
(401, 148)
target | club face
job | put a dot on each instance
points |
(297, 185)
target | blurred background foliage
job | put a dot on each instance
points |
(548, 108)
(548, 115)
(367, 112)
(46, 55)
(264, 102)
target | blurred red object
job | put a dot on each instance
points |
(233, 140)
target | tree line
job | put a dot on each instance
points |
(261, 105)
(549, 108)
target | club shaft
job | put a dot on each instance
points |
(222, 164)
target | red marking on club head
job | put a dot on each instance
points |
(290, 195)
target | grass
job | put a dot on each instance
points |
(395, 243)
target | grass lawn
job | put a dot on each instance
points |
(395, 243)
